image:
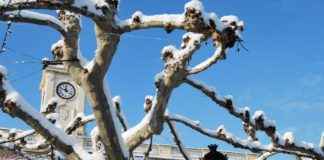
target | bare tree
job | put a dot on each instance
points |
(108, 141)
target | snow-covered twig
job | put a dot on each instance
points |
(221, 134)
(258, 122)
(226, 103)
(177, 140)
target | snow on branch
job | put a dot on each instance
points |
(34, 18)
(15, 105)
(220, 133)
(135, 135)
(172, 75)
(224, 38)
(259, 121)
(191, 42)
(148, 102)
(140, 21)
(79, 121)
(193, 19)
(94, 9)
(226, 103)
(218, 55)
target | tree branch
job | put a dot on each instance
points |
(92, 81)
(177, 140)
(86, 7)
(107, 42)
(173, 74)
(34, 18)
(81, 120)
(221, 134)
(106, 119)
(119, 112)
(140, 21)
(218, 55)
(77, 122)
(193, 19)
(174, 71)
(226, 103)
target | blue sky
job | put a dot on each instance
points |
(281, 74)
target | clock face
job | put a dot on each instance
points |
(65, 90)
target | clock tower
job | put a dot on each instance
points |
(57, 84)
